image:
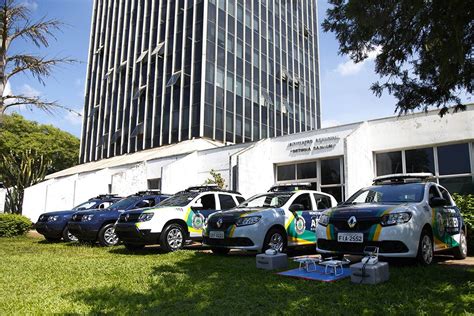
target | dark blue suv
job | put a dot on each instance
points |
(53, 225)
(93, 226)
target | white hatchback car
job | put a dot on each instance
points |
(274, 220)
(403, 215)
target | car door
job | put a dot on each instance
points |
(204, 205)
(301, 230)
(447, 223)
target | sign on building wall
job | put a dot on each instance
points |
(317, 144)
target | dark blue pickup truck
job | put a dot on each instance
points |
(53, 225)
(92, 226)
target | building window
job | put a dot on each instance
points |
(389, 163)
(331, 180)
(420, 160)
(154, 184)
(450, 165)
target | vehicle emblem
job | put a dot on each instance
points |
(127, 217)
(219, 222)
(198, 221)
(300, 225)
(352, 221)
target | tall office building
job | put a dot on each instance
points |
(233, 71)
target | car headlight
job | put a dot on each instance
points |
(250, 220)
(145, 217)
(324, 220)
(53, 218)
(395, 218)
(87, 218)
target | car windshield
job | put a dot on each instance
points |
(389, 193)
(179, 199)
(268, 200)
(123, 204)
(86, 206)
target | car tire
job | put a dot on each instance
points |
(276, 237)
(133, 247)
(67, 236)
(107, 236)
(220, 251)
(173, 238)
(460, 252)
(425, 248)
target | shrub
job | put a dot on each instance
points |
(466, 204)
(13, 225)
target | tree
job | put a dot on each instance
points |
(20, 171)
(18, 135)
(15, 24)
(426, 47)
(216, 178)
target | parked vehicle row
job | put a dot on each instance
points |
(403, 215)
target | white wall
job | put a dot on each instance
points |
(60, 194)
(358, 163)
(421, 130)
(34, 200)
(130, 181)
(180, 174)
(91, 184)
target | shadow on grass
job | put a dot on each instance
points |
(201, 283)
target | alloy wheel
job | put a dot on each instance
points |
(71, 237)
(110, 237)
(427, 249)
(175, 238)
(463, 243)
(276, 242)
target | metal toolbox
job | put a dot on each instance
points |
(272, 262)
(369, 273)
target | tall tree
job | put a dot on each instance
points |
(15, 24)
(18, 135)
(427, 47)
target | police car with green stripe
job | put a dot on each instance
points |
(286, 216)
(176, 220)
(404, 215)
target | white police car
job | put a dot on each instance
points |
(279, 218)
(404, 215)
(174, 221)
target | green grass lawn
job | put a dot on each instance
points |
(38, 277)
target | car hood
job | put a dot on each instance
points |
(364, 210)
(59, 213)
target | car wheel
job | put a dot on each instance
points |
(107, 236)
(220, 251)
(425, 248)
(172, 238)
(275, 239)
(133, 247)
(67, 236)
(460, 252)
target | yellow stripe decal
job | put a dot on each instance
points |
(377, 232)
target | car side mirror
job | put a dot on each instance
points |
(296, 207)
(437, 202)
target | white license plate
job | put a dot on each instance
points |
(350, 237)
(216, 235)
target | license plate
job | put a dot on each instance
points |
(216, 235)
(350, 237)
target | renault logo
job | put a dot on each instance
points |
(352, 221)
(219, 222)
(127, 217)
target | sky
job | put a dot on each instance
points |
(345, 86)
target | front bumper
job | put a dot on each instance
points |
(83, 230)
(392, 241)
(50, 229)
(129, 233)
(245, 238)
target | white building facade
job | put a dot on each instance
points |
(339, 160)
